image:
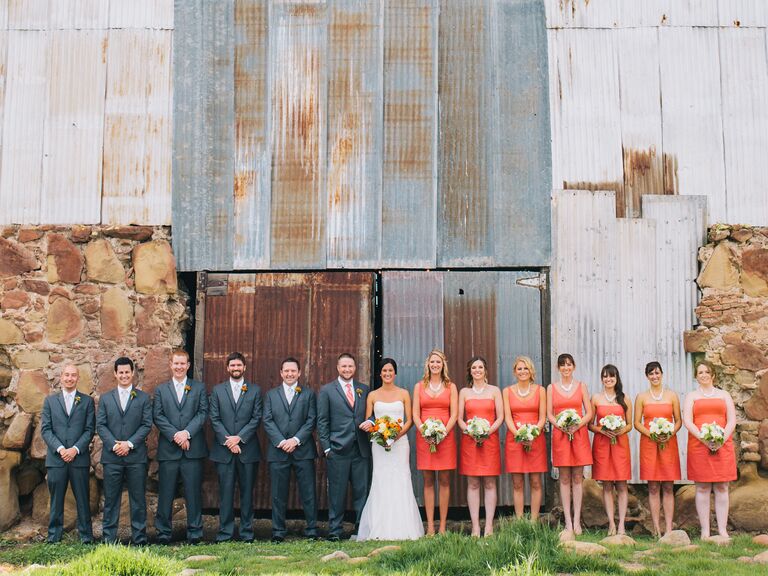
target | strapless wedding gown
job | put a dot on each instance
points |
(391, 512)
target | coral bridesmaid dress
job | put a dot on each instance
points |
(482, 460)
(566, 452)
(658, 465)
(525, 411)
(611, 461)
(436, 407)
(703, 465)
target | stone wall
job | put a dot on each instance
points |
(84, 294)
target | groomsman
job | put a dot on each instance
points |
(290, 414)
(67, 426)
(340, 411)
(180, 410)
(123, 420)
(235, 416)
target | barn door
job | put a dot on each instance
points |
(269, 316)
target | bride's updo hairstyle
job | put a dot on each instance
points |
(385, 361)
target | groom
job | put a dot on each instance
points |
(340, 411)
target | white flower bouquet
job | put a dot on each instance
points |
(433, 430)
(713, 434)
(478, 429)
(526, 433)
(612, 423)
(567, 421)
(661, 431)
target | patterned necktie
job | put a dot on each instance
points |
(350, 397)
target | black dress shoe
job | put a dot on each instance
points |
(278, 539)
(333, 538)
(194, 541)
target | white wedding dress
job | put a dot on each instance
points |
(391, 512)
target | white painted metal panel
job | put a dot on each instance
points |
(137, 128)
(155, 14)
(79, 14)
(680, 230)
(26, 94)
(631, 13)
(74, 122)
(28, 14)
(584, 104)
(3, 79)
(743, 13)
(744, 78)
(4, 15)
(692, 113)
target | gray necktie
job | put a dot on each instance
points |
(68, 403)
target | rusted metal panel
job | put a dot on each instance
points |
(692, 112)
(271, 316)
(585, 108)
(74, 128)
(744, 84)
(137, 128)
(409, 155)
(252, 153)
(355, 116)
(26, 93)
(298, 64)
(153, 14)
(203, 134)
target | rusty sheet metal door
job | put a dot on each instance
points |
(313, 317)
(494, 314)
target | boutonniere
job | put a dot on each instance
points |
(359, 393)
(298, 390)
(244, 388)
(77, 399)
(187, 388)
(133, 393)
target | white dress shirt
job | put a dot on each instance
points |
(179, 386)
(236, 386)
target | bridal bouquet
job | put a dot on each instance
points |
(385, 430)
(526, 433)
(713, 434)
(478, 429)
(612, 423)
(567, 420)
(433, 430)
(661, 431)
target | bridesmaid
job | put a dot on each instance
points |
(610, 450)
(525, 403)
(435, 396)
(570, 456)
(659, 459)
(483, 400)
(709, 465)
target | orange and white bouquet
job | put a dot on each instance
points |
(385, 431)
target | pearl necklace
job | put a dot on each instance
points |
(707, 395)
(568, 389)
(650, 390)
(437, 390)
(481, 390)
(523, 394)
(610, 399)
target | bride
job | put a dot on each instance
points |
(391, 512)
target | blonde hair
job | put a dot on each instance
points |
(528, 364)
(446, 380)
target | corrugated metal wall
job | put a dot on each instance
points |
(662, 97)
(623, 290)
(359, 133)
(85, 102)
(462, 313)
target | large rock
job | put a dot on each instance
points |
(116, 314)
(756, 408)
(675, 538)
(719, 272)
(38, 448)
(31, 359)
(749, 500)
(155, 268)
(136, 233)
(15, 259)
(761, 558)
(85, 381)
(31, 391)
(754, 272)
(6, 375)
(697, 340)
(745, 356)
(592, 509)
(584, 548)
(19, 433)
(41, 504)
(157, 368)
(14, 300)
(28, 478)
(65, 323)
(762, 434)
(10, 333)
(9, 493)
(685, 507)
(102, 264)
(65, 262)
(618, 540)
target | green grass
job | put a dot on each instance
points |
(518, 548)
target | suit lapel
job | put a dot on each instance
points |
(239, 398)
(343, 395)
(60, 398)
(228, 394)
(281, 394)
(184, 394)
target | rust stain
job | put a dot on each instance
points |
(607, 186)
(643, 174)
(104, 48)
(737, 23)
(303, 10)
(671, 181)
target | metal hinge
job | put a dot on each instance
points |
(539, 281)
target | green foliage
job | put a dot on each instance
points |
(117, 561)
(525, 566)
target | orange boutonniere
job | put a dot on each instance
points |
(133, 393)
(244, 388)
(298, 390)
(359, 392)
(77, 399)
(187, 388)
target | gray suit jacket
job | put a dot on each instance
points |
(282, 422)
(171, 417)
(230, 419)
(77, 429)
(112, 424)
(338, 423)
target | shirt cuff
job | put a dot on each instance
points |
(130, 444)
(78, 450)
(59, 449)
(189, 436)
(298, 442)
(327, 450)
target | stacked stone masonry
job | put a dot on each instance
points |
(82, 294)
